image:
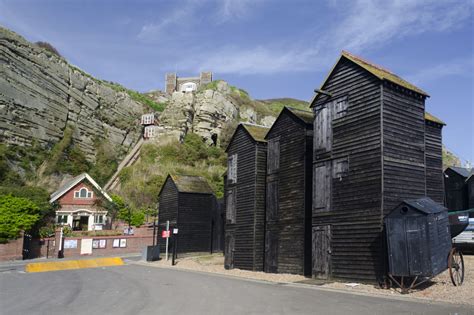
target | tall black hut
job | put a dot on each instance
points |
(245, 198)
(434, 158)
(456, 187)
(288, 199)
(189, 204)
(369, 155)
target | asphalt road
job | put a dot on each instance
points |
(137, 289)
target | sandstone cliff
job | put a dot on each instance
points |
(41, 93)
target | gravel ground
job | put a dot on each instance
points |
(439, 288)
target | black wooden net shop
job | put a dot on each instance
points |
(188, 203)
(288, 198)
(245, 198)
(419, 241)
(434, 158)
(457, 188)
(368, 156)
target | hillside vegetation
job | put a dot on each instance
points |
(141, 182)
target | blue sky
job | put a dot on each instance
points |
(270, 48)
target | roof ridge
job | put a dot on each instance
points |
(346, 53)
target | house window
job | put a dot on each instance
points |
(231, 206)
(232, 169)
(61, 219)
(273, 161)
(99, 219)
(83, 193)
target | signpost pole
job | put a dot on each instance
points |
(167, 239)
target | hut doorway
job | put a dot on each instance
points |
(321, 251)
(229, 251)
(271, 252)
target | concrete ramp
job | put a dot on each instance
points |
(73, 264)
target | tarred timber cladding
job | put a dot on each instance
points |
(355, 213)
(190, 213)
(434, 162)
(403, 146)
(249, 227)
(293, 235)
(168, 209)
(194, 222)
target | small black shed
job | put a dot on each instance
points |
(418, 238)
(188, 202)
(456, 187)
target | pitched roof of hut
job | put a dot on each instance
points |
(376, 70)
(382, 73)
(191, 184)
(257, 132)
(463, 171)
(73, 182)
(425, 205)
(305, 115)
(434, 119)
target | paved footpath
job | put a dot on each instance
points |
(138, 289)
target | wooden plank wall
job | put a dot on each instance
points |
(194, 222)
(403, 146)
(289, 224)
(168, 209)
(355, 213)
(249, 228)
(434, 162)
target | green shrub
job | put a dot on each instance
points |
(16, 214)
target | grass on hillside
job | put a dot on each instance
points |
(141, 182)
(277, 104)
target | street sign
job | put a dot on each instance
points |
(165, 234)
(175, 231)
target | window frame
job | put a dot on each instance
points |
(89, 194)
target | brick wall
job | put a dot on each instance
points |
(134, 244)
(12, 250)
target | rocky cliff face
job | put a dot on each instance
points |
(207, 111)
(40, 93)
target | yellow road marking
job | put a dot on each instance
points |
(73, 264)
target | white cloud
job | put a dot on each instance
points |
(232, 9)
(458, 67)
(183, 15)
(372, 22)
(363, 25)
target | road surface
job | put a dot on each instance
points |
(138, 289)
